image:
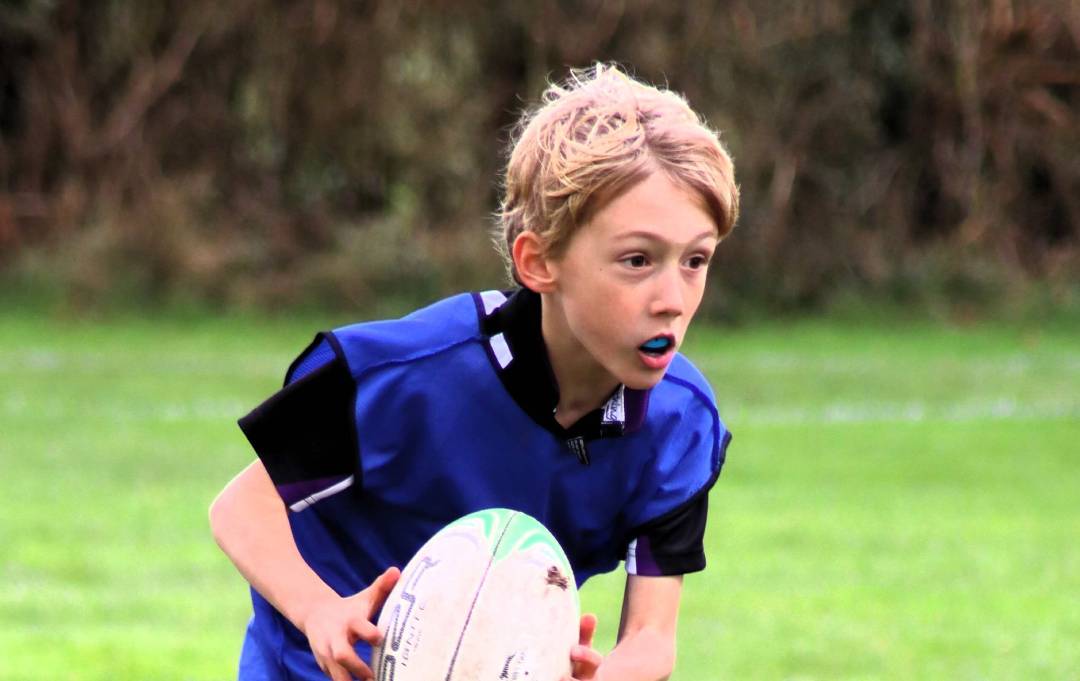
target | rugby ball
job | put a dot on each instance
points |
(490, 597)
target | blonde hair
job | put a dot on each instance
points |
(594, 137)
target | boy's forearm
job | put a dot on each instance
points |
(251, 526)
(645, 655)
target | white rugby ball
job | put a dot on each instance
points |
(490, 597)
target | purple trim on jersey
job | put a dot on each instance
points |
(635, 408)
(292, 492)
(646, 562)
(723, 447)
(314, 356)
(719, 447)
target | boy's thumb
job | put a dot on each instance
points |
(385, 582)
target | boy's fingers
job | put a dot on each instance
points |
(335, 672)
(345, 660)
(588, 628)
(381, 588)
(584, 661)
(365, 630)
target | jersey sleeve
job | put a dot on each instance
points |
(668, 525)
(305, 434)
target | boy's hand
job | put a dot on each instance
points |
(584, 661)
(334, 626)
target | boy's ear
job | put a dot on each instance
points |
(532, 262)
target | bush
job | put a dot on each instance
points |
(263, 153)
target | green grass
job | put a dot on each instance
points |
(899, 502)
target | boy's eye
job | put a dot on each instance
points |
(696, 262)
(636, 261)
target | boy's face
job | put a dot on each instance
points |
(628, 283)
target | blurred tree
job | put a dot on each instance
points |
(269, 151)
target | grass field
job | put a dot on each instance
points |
(899, 502)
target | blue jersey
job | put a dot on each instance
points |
(386, 431)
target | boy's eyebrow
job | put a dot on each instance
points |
(658, 236)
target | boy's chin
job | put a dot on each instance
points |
(648, 382)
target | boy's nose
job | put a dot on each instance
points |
(668, 299)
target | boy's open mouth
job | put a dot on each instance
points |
(657, 347)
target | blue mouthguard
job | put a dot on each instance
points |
(655, 344)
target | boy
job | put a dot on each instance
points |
(564, 399)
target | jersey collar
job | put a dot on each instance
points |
(510, 323)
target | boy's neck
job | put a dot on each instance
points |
(583, 384)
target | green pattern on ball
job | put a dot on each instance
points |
(518, 532)
(491, 521)
(523, 535)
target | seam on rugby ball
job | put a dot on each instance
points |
(476, 596)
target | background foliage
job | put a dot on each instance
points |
(278, 152)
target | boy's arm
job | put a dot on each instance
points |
(646, 647)
(250, 524)
(650, 613)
